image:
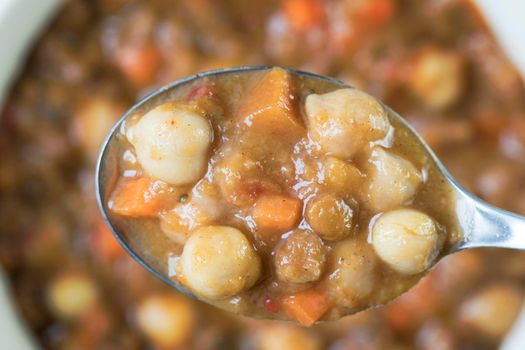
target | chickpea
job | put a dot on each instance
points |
(283, 336)
(407, 240)
(178, 222)
(330, 217)
(218, 262)
(200, 209)
(168, 319)
(300, 258)
(92, 122)
(435, 335)
(492, 310)
(172, 143)
(71, 294)
(341, 176)
(393, 180)
(350, 272)
(308, 177)
(182, 219)
(437, 77)
(342, 122)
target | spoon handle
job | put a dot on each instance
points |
(487, 226)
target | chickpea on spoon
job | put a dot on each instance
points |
(281, 194)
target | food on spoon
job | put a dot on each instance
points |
(277, 212)
(139, 197)
(351, 273)
(171, 142)
(306, 307)
(345, 121)
(300, 258)
(392, 180)
(258, 198)
(330, 217)
(218, 262)
(407, 240)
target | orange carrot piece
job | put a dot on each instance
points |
(268, 106)
(305, 307)
(277, 212)
(137, 198)
(104, 243)
(138, 63)
(304, 14)
(377, 11)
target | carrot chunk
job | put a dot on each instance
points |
(377, 11)
(138, 197)
(305, 307)
(304, 14)
(138, 63)
(104, 243)
(277, 212)
(268, 106)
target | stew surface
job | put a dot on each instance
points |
(432, 61)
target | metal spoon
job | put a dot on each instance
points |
(483, 225)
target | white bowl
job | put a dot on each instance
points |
(21, 20)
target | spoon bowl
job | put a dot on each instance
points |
(481, 224)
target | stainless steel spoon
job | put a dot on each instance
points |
(483, 225)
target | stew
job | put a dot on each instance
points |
(271, 187)
(432, 61)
